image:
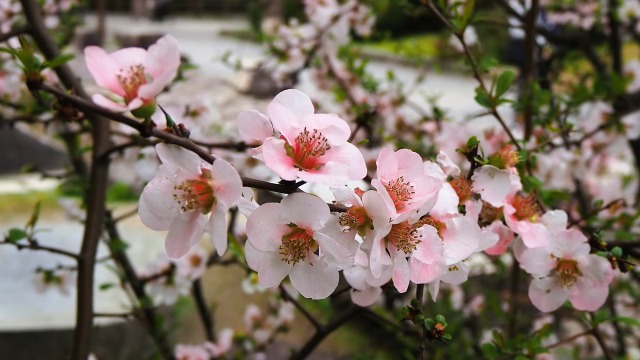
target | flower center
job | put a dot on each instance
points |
(462, 187)
(567, 272)
(428, 220)
(307, 149)
(354, 218)
(196, 194)
(400, 191)
(526, 207)
(297, 244)
(404, 236)
(195, 260)
(131, 80)
(489, 213)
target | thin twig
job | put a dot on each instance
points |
(285, 295)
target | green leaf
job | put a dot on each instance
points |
(105, 286)
(469, 6)
(504, 82)
(473, 142)
(483, 98)
(626, 320)
(34, 216)
(57, 61)
(16, 235)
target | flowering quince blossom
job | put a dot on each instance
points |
(188, 197)
(395, 240)
(135, 74)
(300, 238)
(566, 270)
(404, 184)
(312, 147)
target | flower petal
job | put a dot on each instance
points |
(315, 281)
(183, 232)
(103, 68)
(254, 126)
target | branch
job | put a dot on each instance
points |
(89, 107)
(95, 195)
(203, 310)
(149, 315)
(35, 246)
(285, 295)
(325, 331)
(14, 32)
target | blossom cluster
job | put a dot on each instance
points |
(417, 222)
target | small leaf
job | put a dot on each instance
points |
(34, 216)
(504, 82)
(482, 98)
(16, 235)
(473, 142)
(105, 286)
(57, 61)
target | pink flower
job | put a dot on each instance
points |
(191, 352)
(312, 147)
(135, 74)
(404, 184)
(411, 247)
(566, 270)
(188, 197)
(222, 346)
(300, 238)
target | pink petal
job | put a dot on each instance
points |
(228, 184)
(183, 232)
(546, 295)
(276, 158)
(254, 127)
(460, 239)
(305, 210)
(492, 184)
(129, 57)
(455, 274)
(447, 202)
(217, 228)
(401, 272)
(157, 207)
(179, 158)
(430, 249)
(100, 100)
(332, 127)
(505, 237)
(352, 158)
(266, 226)
(296, 102)
(104, 69)
(537, 261)
(271, 269)
(365, 297)
(166, 53)
(422, 273)
(586, 296)
(315, 281)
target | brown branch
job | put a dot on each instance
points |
(14, 32)
(529, 69)
(325, 331)
(149, 317)
(205, 315)
(33, 245)
(285, 295)
(96, 191)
